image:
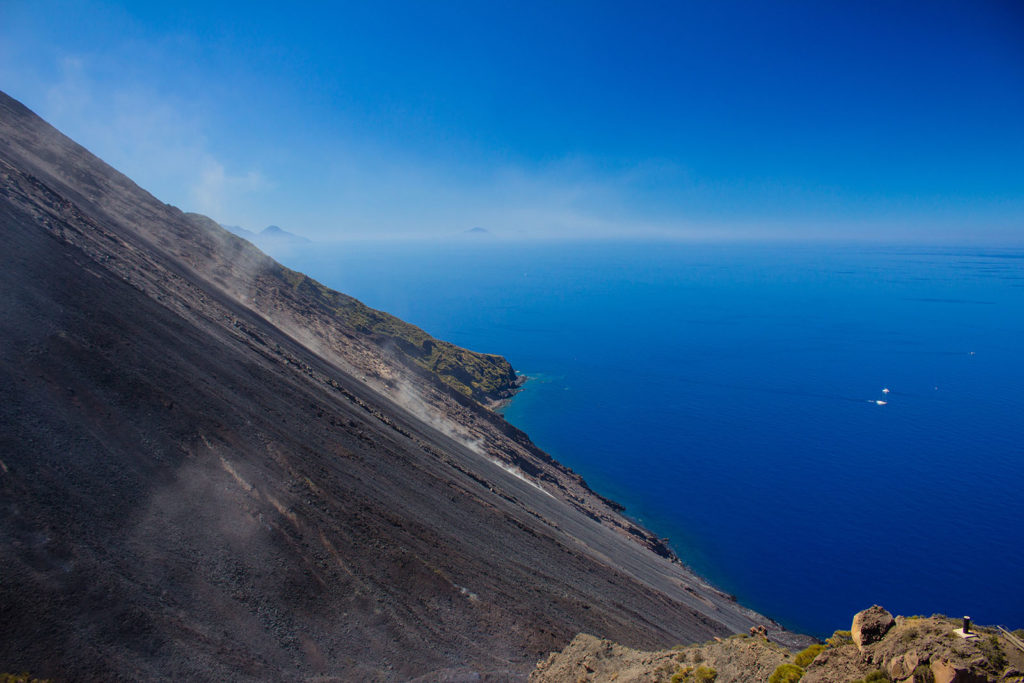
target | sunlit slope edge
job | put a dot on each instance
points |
(483, 377)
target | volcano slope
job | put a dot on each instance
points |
(212, 467)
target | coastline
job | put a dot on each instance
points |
(651, 541)
(498, 405)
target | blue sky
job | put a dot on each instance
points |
(893, 121)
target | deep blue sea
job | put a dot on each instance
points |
(727, 396)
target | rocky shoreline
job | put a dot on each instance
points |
(504, 397)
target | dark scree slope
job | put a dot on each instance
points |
(214, 468)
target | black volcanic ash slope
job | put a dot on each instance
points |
(213, 467)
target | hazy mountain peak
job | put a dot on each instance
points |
(270, 236)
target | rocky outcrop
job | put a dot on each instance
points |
(904, 650)
(870, 626)
(946, 672)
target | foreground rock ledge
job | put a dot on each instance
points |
(903, 649)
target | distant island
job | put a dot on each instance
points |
(270, 236)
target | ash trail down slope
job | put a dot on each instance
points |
(213, 467)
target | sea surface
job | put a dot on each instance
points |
(729, 396)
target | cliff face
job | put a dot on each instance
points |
(213, 467)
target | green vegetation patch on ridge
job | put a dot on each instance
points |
(807, 656)
(786, 673)
(700, 674)
(480, 376)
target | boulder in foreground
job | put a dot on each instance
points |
(870, 626)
